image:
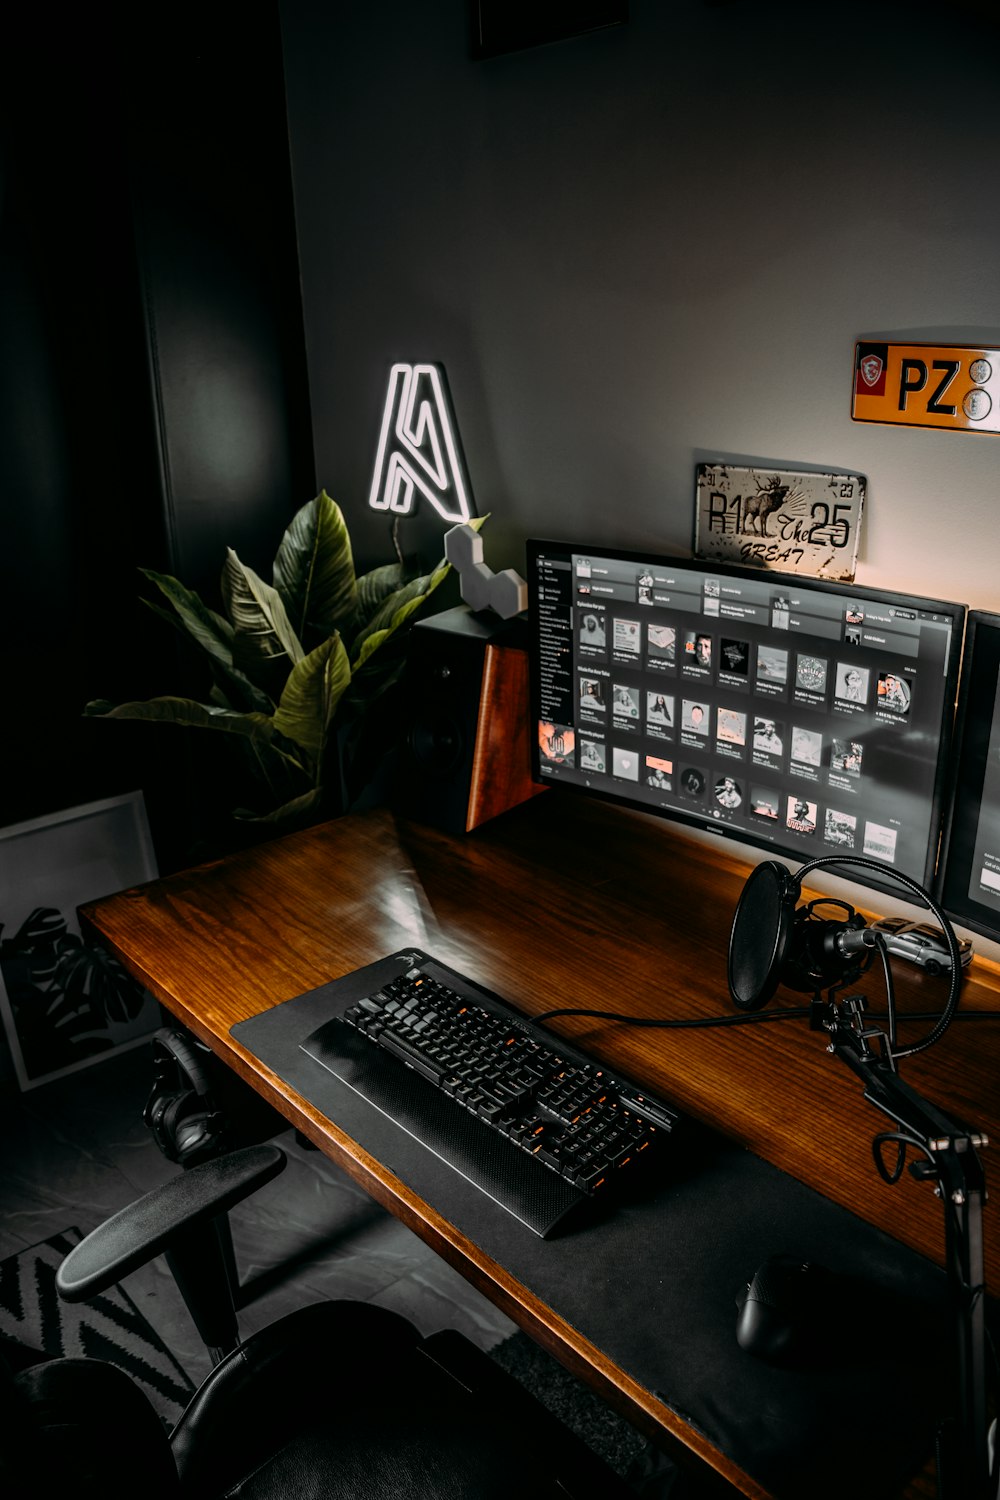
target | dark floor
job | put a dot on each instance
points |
(75, 1150)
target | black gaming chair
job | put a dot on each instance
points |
(335, 1400)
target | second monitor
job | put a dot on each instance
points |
(802, 716)
(969, 873)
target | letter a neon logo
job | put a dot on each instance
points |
(418, 447)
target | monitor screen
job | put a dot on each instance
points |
(806, 717)
(969, 878)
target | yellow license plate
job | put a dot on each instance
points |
(927, 385)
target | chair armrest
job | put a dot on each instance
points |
(146, 1227)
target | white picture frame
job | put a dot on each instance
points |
(66, 1003)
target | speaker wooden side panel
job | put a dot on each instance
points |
(501, 764)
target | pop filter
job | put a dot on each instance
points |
(760, 935)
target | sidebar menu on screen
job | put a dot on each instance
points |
(555, 647)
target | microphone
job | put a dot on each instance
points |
(771, 943)
(853, 940)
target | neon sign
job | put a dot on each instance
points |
(419, 452)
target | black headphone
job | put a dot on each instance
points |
(181, 1111)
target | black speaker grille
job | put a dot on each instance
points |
(440, 698)
(437, 743)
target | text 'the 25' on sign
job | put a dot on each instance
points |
(927, 385)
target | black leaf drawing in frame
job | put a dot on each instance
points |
(66, 1003)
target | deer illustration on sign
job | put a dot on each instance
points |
(769, 498)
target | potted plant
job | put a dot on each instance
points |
(301, 669)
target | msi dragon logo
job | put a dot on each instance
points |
(871, 369)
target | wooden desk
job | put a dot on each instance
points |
(557, 903)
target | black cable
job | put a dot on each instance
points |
(902, 1140)
(745, 1018)
(793, 1013)
(890, 991)
(951, 1005)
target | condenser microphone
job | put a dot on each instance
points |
(771, 943)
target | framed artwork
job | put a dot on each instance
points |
(66, 1003)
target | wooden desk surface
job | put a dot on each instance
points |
(557, 903)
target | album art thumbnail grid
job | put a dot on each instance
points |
(765, 726)
(618, 654)
(718, 790)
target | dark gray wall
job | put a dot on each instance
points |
(154, 406)
(78, 485)
(650, 246)
(215, 235)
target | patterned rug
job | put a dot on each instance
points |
(110, 1327)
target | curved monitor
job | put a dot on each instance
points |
(969, 877)
(802, 716)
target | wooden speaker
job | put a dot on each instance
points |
(465, 756)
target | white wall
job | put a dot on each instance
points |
(652, 246)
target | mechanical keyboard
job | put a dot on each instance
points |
(528, 1119)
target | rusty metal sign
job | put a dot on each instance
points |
(927, 385)
(785, 519)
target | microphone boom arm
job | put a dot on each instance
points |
(950, 1159)
(771, 942)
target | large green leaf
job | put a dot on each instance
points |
(387, 596)
(279, 767)
(314, 571)
(298, 810)
(395, 610)
(188, 713)
(213, 634)
(311, 698)
(265, 646)
(377, 586)
(208, 629)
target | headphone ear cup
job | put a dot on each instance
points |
(193, 1130)
(180, 1112)
(189, 1130)
(174, 1111)
(152, 1116)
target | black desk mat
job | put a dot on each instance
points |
(653, 1286)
